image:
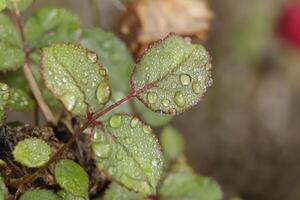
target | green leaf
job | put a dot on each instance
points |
(8, 32)
(113, 54)
(75, 78)
(117, 192)
(72, 177)
(2, 4)
(67, 196)
(127, 150)
(11, 54)
(19, 100)
(19, 5)
(172, 143)
(150, 117)
(172, 76)
(48, 25)
(3, 189)
(185, 185)
(11, 57)
(39, 194)
(32, 152)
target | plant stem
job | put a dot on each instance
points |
(59, 152)
(29, 76)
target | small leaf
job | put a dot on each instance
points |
(72, 177)
(19, 100)
(172, 76)
(32, 152)
(39, 194)
(8, 32)
(11, 57)
(49, 25)
(11, 54)
(117, 192)
(150, 117)
(2, 4)
(75, 78)
(67, 196)
(172, 143)
(185, 185)
(127, 150)
(3, 189)
(19, 5)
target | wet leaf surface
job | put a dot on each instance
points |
(32, 152)
(72, 177)
(173, 75)
(75, 78)
(127, 150)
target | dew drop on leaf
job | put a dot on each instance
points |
(185, 79)
(179, 99)
(103, 150)
(196, 87)
(147, 129)
(115, 121)
(165, 102)
(119, 156)
(103, 92)
(152, 97)
(134, 122)
(69, 101)
(128, 140)
(92, 56)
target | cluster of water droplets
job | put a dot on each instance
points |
(73, 74)
(129, 152)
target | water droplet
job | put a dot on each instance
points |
(69, 100)
(102, 150)
(84, 80)
(129, 140)
(155, 162)
(115, 121)
(119, 156)
(152, 97)
(103, 92)
(147, 129)
(174, 85)
(179, 99)
(92, 56)
(134, 122)
(102, 72)
(165, 102)
(185, 79)
(196, 87)
(112, 170)
(3, 87)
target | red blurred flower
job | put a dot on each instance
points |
(289, 23)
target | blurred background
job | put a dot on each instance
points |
(246, 131)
